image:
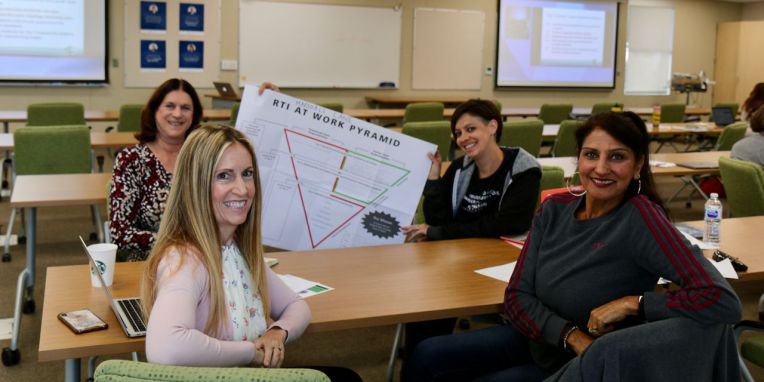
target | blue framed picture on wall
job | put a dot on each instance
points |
(153, 54)
(191, 55)
(153, 16)
(191, 17)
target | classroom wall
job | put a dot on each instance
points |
(753, 11)
(694, 49)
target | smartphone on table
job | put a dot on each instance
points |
(82, 321)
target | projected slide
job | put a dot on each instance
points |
(56, 29)
(46, 40)
(556, 44)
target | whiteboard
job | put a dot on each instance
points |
(318, 45)
(448, 49)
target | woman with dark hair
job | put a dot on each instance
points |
(142, 173)
(754, 101)
(751, 148)
(489, 192)
(582, 300)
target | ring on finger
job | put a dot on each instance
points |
(593, 331)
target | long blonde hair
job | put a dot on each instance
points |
(189, 225)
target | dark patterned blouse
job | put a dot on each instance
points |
(138, 196)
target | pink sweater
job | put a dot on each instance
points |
(175, 333)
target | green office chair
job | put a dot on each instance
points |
(130, 371)
(129, 121)
(423, 112)
(553, 114)
(672, 112)
(51, 150)
(130, 117)
(336, 106)
(744, 185)
(526, 134)
(752, 348)
(55, 114)
(726, 140)
(234, 114)
(565, 143)
(551, 177)
(438, 133)
(730, 135)
(604, 107)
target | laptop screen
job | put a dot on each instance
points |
(722, 116)
(225, 89)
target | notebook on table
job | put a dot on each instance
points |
(128, 310)
(225, 90)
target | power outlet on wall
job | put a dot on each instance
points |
(229, 65)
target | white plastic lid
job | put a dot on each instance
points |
(714, 195)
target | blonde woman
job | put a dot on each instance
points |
(210, 299)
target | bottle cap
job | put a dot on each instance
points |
(714, 195)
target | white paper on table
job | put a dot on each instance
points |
(695, 241)
(662, 164)
(724, 267)
(690, 128)
(304, 288)
(330, 180)
(499, 272)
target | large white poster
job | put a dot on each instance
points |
(330, 180)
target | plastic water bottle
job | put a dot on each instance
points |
(713, 219)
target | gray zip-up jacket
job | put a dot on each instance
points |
(443, 197)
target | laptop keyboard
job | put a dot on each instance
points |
(134, 313)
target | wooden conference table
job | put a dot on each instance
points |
(20, 116)
(683, 128)
(523, 112)
(568, 164)
(98, 140)
(740, 238)
(374, 286)
(32, 191)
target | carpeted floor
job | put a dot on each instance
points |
(364, 350)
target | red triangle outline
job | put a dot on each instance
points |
(299, 189)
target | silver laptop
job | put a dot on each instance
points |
(128, 310)
(225, 90)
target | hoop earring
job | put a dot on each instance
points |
(570, 189)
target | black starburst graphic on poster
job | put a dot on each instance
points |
(381, 224)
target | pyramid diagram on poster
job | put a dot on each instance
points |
(328, 180)
(335, 184)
